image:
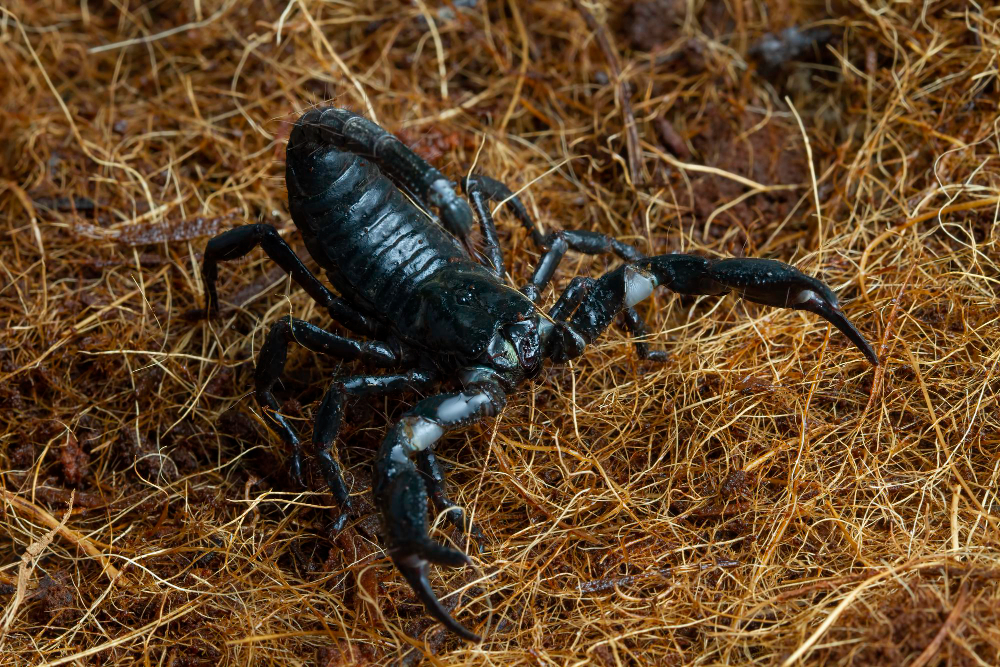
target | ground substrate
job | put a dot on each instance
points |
(762, 497)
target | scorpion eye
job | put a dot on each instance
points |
(466, 294)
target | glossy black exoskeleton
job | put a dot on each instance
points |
(431, 311)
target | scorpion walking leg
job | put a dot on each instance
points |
(493, 190)
(241, 240)
(482, 189)
(486, 227)
(271, 363)
(329, 418)
(764, 281)
(589, 243)
(401, 491)
(428, 464)
(348, 131)
(639, 330)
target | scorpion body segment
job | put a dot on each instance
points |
(432, 312)
(373, 243)
(356, 134)
(383, 254)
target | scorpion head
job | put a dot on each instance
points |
(464, 311)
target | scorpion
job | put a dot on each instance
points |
(432, 309)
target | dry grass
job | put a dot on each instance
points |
(763, 497)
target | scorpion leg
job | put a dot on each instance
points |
(487, 227)
(588, 243)
(401, 490)
(639, 330)
(482, 189)
(241, 240)
(271, 363)
(764, 281)
(329, 418)
(348, 131)
(493, 190)
(428, 464)
(489, 231)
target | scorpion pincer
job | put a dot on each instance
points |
(431, 311)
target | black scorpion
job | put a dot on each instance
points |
(433, 310)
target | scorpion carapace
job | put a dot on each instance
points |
(431, 312)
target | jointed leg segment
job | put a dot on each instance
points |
(591, 243)
(588, 243)
(329, 418)
(271, 364)
(483, 189)
(639, 330)
(241, 240)
(433, 474)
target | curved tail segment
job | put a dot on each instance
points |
(356, 134)
(764, 281)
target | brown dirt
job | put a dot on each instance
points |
(762, 497)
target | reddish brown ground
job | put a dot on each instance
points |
(763, 495)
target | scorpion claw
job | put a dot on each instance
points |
(414, 568)
(403, 496)
(775, 283)
(832, 314)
